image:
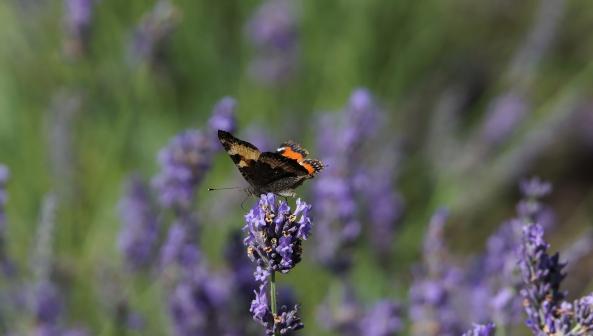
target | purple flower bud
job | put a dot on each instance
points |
(139, 235)
(180, 247)
(503, 116)
(77, 19)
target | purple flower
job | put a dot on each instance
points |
(197, 304)
(260, 308)
(347, 186)
(153, 32)
(139, 235)
(223, 118)
(183, 163)
(5, 263)
(542, 276)
(273, 31)
(275, 234)
(432, 309)
(188, 156)
(383, 319)
(77, 19)
(341, 314)
(481, 330)
(181, 245)
(503, 116)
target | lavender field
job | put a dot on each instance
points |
(455, 198)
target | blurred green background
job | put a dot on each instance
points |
(80, 114)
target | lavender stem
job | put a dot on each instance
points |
(273, 297)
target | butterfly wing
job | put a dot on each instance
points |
(292, 150)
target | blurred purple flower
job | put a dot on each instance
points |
(153, 32)
(481, 330)
(138, 238)
(198, 302)
(275, 234)
(383, 319)
(188, 156)
(183, 163)
(341, 314)
(273, 31)
(5, 262)
(503, 116)
(223, 118)
(337, 213)
(181, 246)
(431, 308)
(77, 19)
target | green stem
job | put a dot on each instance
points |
(273, 294)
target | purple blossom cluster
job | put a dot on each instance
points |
(548, 312)
(139, 236)
(348, 184)
(187, 158)
(275, 234)
(273, 32)
(274, 242)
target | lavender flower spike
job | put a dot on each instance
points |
(274, 242)
(5, 263)
(481, 330)
(275, 234)
(138, 238)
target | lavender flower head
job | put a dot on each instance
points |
(184, 161)
(4, 175)
(153, 31)
(223, 117)
(383, 319)
(78, 19)
(188, 156)
(139, 235)
(543, 300)
(273, 31)
(283, 323)
(481, 330)
(337, 212)
(197, 304)
(275, 234)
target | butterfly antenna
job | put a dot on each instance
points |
(226, 188)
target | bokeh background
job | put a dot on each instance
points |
(469, 98)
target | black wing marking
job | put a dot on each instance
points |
(269, 168)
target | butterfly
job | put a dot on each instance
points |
(279, 172)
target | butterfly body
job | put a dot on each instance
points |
(279, 172)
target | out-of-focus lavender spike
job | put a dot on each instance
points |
(5, 262)
(181, 245)
(273, 32)
(481, 330)
(383, 319)
(341, 313)
(223, 118)
(78, 15)
(138, 238)
(197, 304)
(188, 156)
(184, 162)
(47, 308)
(65, 107)
(502, 117)
(334, 190)
(242, 271)
(431, 307)
(41, 262)
(152, 33)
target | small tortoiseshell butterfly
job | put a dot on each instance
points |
(277, 172)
